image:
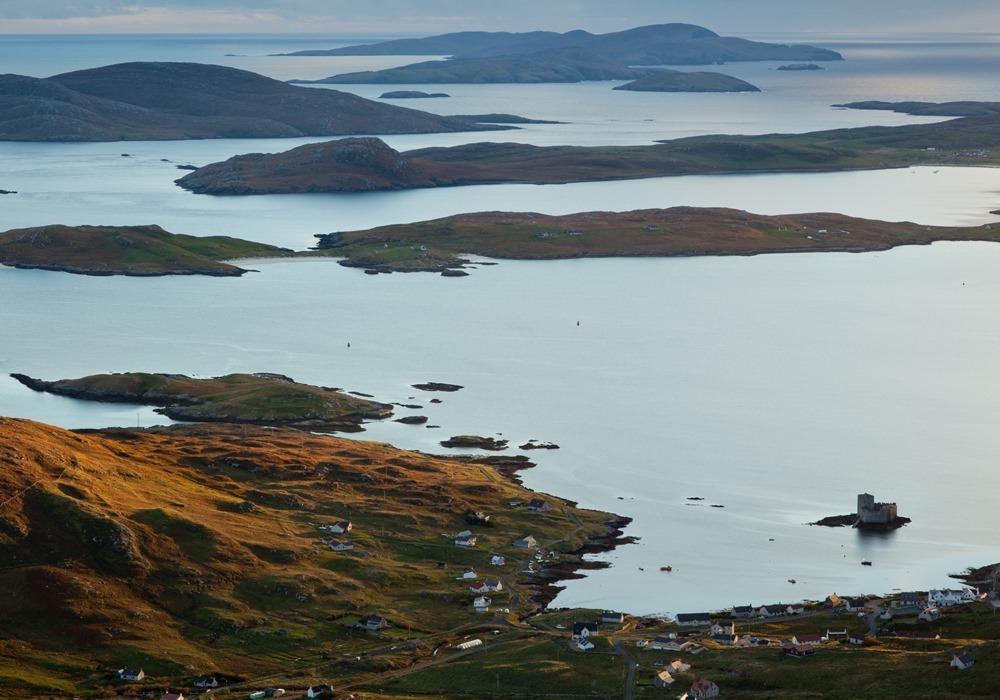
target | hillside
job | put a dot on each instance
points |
(680, 231)
(366, 164)
(196, 550)
(263, 399)
(557, 66)
(138, 251)
(660, 44)
(149, 101)
(679, 81)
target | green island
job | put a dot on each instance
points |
(263, 399)
(680, 81)
(365, 164)
(138, 251)
(438, 245)
(253, 558)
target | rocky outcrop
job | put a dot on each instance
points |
(411, 95)
(677, 81)
(437, 386)
(475, 442)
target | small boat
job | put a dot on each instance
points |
(866, 563)
(668, 569)
(791, 580)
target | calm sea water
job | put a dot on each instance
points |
(778, 386)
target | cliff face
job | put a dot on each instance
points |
(145, 101)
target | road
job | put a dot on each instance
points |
(630, 675)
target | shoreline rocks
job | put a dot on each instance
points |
(475, 442)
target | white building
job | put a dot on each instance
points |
(949, 596)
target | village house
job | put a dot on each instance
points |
(663, 679)
(909, 599)
(856, 640)
(743, 611)
(693, 619)
(465, 539)
(131, 674)
(340, 545)
(798, 651)
(929, 615)
(960, 662)
(497, 560)
(582, 630)
(724, 632)
(469, 574)
(947, 596)
(539, 505)
(583, 644)
(341, 527)
(800, 639)
(373, 623)
(494, 586)
(833, 600)
(855, 604)
(479, 587)
(678, 666)
(316, 691)
(836, 635)
(702, 689)
(172, 696)
(779, 609)
(526, 542)
(612, 617)
(206, 682)
(668, 644)
(482, 604)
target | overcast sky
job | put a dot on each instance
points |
(431, 16)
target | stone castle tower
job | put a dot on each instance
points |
(872, 513)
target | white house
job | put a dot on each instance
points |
(469, 644)
(317, 690)
(469, 574)
(612, 617)
(341, 527)
(465, 539)
(497, 560)
(929, 615)
(583, 644)
(494, 586)
(961, 662)
(479, 587)
(678, 666)
(582, 630)
(482, 604)
(854, 604)
(948, 596)
(724, 632)
(206, 682)
(131, 674)
(340, 545)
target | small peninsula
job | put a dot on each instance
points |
(931, 109)
(136, 251)
(155, 101)
(365, 164)
(411, 95)
(680, 81)
(261, 399)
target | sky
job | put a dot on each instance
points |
(435, 16)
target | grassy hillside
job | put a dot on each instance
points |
(267, 399)
(680, 231)
(198, 549)
(127, 250)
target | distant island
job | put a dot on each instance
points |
(137, 251)
(365, 164)
(931, 109)
(549, 57)
(440, 244)
(801, 67)
(660, 44)
(679, 81)
(155, 101)
(411, 95)
(262, 399)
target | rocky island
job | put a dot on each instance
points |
(261, 399)
(680, 81)
(801, 67)
(869, 516)
(411, 95)
(155, 101)
(365, 164)
(679, 231)
(930, 109)
(137, 251)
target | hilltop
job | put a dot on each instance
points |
(152, 101)
(680, 231)
(138, 251)
(659, 44)
(195, 550)
(366, 164)
(263, 399)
